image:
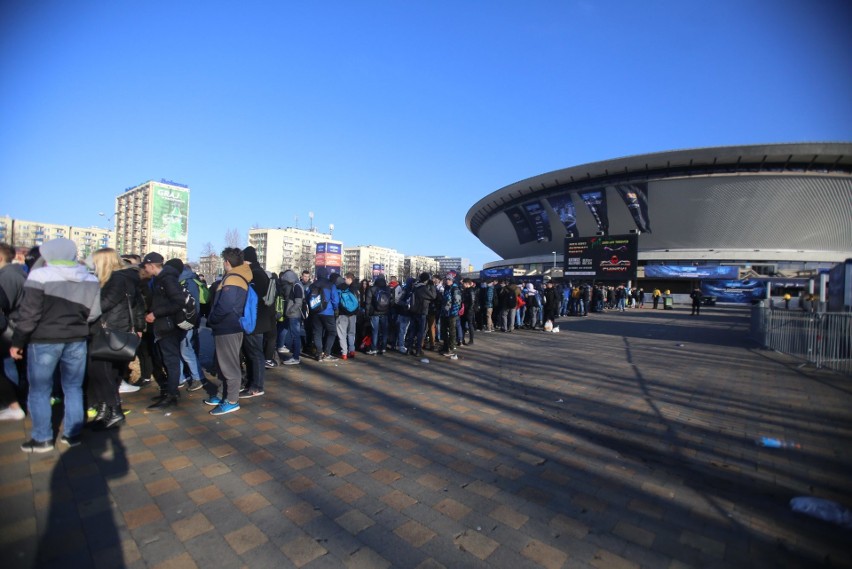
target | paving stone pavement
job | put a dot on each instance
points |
(625, 441)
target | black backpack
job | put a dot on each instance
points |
(187, 317)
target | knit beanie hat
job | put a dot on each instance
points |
(59, 252)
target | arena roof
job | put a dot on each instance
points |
(794, 196)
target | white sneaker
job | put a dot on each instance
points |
(12, 414)
(128, 387)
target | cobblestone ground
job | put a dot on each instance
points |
(626, 440)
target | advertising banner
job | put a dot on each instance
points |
(378, 271)
(636, 198)
(329, 255)
(488, 274)
(521, 224)
(595, 200)
(563, 205)
(742, 292)
(602, 258)
(691, 272)
(169, 215)
(840, 287)
(539, 221)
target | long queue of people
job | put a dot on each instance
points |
(55, 307)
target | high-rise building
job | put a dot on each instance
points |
(458, 264)
(28, 234)
(365, 261)
(153, 216)
(289, 248)
(415, 264)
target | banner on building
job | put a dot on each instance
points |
(602, 258)
(563, 205)
(498, 274)
(742, 292)
(378, 271)
(636, 198)
(725, 272)
(595, 200)
(329, 255)
(521, 224)
(538, 220)
(169, 217)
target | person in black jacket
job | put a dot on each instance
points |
(122, 308)
(378, 307)
(422, 297)
(166, 302)
(253, 343)
(347, 319)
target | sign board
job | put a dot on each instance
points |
(602, 258)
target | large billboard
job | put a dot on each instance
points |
(602, 258)
(169, 217)
(718, 272)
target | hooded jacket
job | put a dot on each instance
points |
(372, 309)
(58, 300)
(122, 286)
(166, 301)
(229, 301)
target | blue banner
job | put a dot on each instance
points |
(742, 292)
(563, 205)
(636, 198)
(498, 274)
(691, 272)
(539, 221)
(595, 200)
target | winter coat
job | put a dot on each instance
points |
(229, 301)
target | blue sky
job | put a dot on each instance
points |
(390, 119)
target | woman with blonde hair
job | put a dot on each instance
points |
(122, 308)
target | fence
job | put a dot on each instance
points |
(823, 339)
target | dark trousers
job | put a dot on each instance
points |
(255, 362)
(104, 378)
(324, 324)
(168, 348)
(449, 332)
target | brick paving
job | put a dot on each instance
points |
(627, 440)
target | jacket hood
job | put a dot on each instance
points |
(290, 276)
(59, 252)
(244, 271)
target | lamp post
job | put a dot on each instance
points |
(554, 260)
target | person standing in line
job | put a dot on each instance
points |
(12, 277)
(59, 300)
(695, 295)
(347, 314)
(450, 306)
(224, 320)
(253, 343)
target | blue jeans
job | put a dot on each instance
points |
(294, 337)
(403, 320)
(380, 324)
(187, 354)
(42, 360)
(418, 322)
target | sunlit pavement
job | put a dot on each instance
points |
(626, 440)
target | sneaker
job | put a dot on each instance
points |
(213, 401)
(372, 353)
(225, 407)
(352, 355)
(283, 350)
(344, 357)
(12, 414)
(454, 357)
(145, 380)
(127, 387)
(167, 403)
(71, 441)
(330, 358)
(194, 385)
(251, 393)
(448, 354)
(35, 446)
(291, 362)
(270, 364)
(403, 350)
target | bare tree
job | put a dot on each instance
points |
(233, 238)
(208, 250)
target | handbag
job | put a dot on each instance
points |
(115, 345)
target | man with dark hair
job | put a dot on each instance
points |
(12, 277)
(450, 306)
(422, 297)
(166, 302)
(224, 320)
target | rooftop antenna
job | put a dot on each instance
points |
(331, 230)
(311, 215)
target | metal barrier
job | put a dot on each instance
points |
(823, 339)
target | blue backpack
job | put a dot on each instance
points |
(248, 321)
(349, 301)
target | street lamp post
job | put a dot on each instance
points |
(554, 260)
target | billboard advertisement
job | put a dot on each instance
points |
(602, 258)
(691, 272)
(378, 270)
(539, 221)
(329, 255)
(521, 224)
(840, 287)
(504, 273)
(169, 217)
(563, 205)
(635, 196)
(743, 292)
(595, 200)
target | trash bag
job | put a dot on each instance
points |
(548, 326)
(823, 509)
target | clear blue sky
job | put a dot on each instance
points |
(390, 119)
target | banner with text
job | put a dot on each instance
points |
(539, 221)
(602, 258)
(691, 272)
(636, 198)
(595, 200)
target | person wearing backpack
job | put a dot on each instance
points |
(470, 300)
(325, 299)
(294, 296)
(423, 294)
(189, 346)
(378, 308)
(167, 299)
(402, 303)
(228, 307)
(347, 314)
(451, 303)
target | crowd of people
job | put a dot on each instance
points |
(56, 308)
